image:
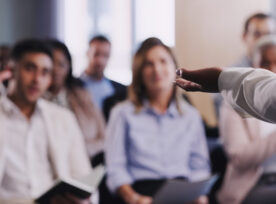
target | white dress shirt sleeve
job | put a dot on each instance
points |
(80, 165)
(251, 91)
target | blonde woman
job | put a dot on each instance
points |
(154, 135)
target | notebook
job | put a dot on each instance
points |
(80, 188)
(181, 192)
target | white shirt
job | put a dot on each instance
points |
(66, 146)
(27, 170)
(251, 91)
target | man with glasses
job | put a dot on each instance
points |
(256, 26)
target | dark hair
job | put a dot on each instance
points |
(29, 46)
(100, 38)
(259, 16)
(70, 81)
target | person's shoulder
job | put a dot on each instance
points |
(79, 91)
(123, 108)
(52, 108)
(187, 108)
(243, 61)
(117, 84)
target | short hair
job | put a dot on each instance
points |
(259, 16)
(99, 38)
(30, 46)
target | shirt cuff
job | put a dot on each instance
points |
(114, 182)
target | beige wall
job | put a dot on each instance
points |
(208, 33)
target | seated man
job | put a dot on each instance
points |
(105, 93)
(39, 141)
(246, 139)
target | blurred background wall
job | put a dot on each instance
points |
(209, 33)
(202, 33)
(28, 18)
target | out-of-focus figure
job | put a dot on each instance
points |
(69, 92)
(154, 135)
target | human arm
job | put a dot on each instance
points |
(118, 176)
(119, 179)
(246, 89)
(199, 162)
(132, 197)
(90, 119)
(205, 80)
(78, 161)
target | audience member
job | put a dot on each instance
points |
(144, 147)
(69, 92)
(39, 140)
(256, 26)
(246, 140)
(104, 92)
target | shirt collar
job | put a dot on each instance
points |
(172, 110)
(88, 79)
(9, 107)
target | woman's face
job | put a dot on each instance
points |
(61, 68)
(268, 58)
(159, 70)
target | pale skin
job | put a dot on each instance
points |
(256, 29)
(98, 55)
(158, 76)
(267, 59)
(60, 70)
(33, 76)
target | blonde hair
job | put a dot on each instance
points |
(137, 89)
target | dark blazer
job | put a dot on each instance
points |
(119, 95)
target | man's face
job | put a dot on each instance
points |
(33, 75)
(256, 29)
(268, 58)
(98, 55)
